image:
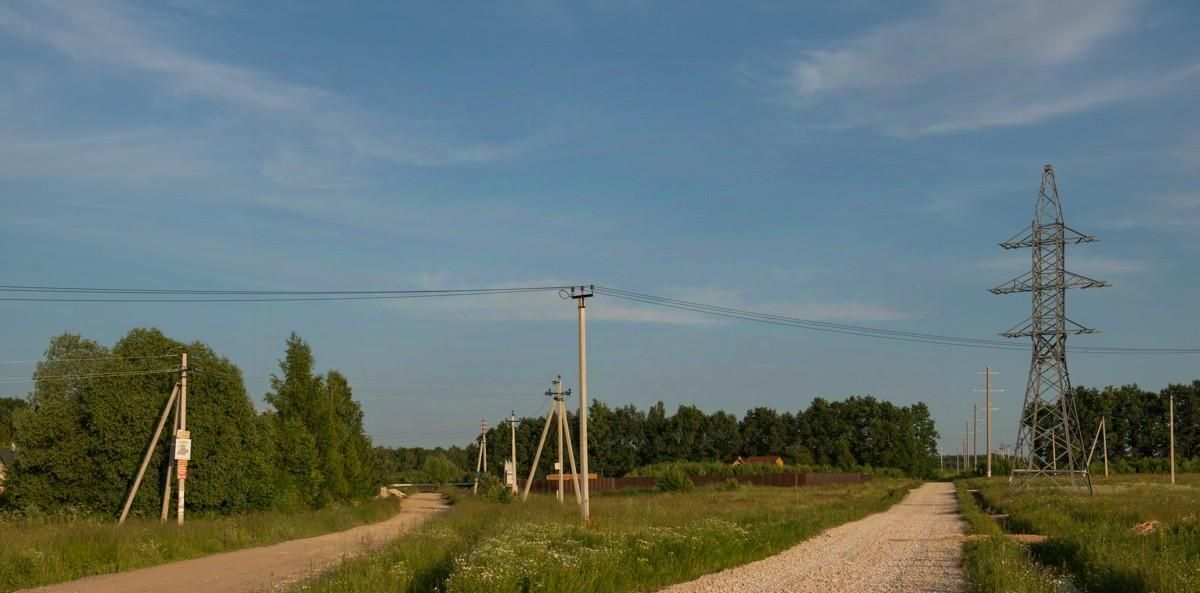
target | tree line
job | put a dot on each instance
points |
(83, 429)
(1137, 423)
(848, 434)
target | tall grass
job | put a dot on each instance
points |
(1093, 538)
(41, 551)
(636, 542)
(994, 563)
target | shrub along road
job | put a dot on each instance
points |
(914, 547)
(255, 569)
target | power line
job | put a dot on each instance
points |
(88, 376)
(858, 330)
(154, 295)
(79, 294)
(16, 362)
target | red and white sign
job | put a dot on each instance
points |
(181, 469)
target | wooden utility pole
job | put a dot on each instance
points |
(1171, 412)
(1104, 441)
(582, 294)
(182, 435)
(137, 481)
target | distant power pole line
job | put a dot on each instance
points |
(1049, 403)
(988, 409)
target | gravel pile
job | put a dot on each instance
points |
(914, 547)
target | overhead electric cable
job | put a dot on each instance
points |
(121, 295)
(862, 331)
(87, 376)
(147, 357)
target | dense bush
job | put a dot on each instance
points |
(674, 481)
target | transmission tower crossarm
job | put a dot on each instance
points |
(1023, 238)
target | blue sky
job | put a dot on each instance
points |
(854, 163)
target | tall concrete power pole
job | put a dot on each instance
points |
(581, 294)
(988, 409)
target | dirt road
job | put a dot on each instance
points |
(258, 569)
(914, 547)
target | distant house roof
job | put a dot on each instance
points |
(768, 459)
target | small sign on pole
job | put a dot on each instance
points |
(183, 446)
(182, 469)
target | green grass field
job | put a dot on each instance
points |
(37, 552)
(635, 543)
(1138, 534)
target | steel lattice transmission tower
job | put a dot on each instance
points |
(1049, 442)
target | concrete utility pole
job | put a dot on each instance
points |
(559, 409)
(1171, 412)
(481, 458)
(1104, 442)
(512, 422)
(137, 482)
(182, 439)
(974, 437)
(171, 463)
(988, 409)
(1100, 431)
(966, 445)
(581, 294)
(562, 422)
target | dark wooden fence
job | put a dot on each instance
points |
(788, 480)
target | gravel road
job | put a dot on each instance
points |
(914, 547)
(258, 569)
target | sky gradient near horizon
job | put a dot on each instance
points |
(853, 162)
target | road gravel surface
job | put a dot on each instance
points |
(265, 568)
(913, 547)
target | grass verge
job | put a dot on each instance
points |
(994, 563)
(635, 543)
(1137, 534)
(38, 552)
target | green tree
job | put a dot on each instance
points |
(8, 411)
(317, 431)
(93, 411)
(440, 469)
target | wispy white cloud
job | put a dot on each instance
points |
(1175, 212)
(130, 156)
(976, 64)
(303, 127)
